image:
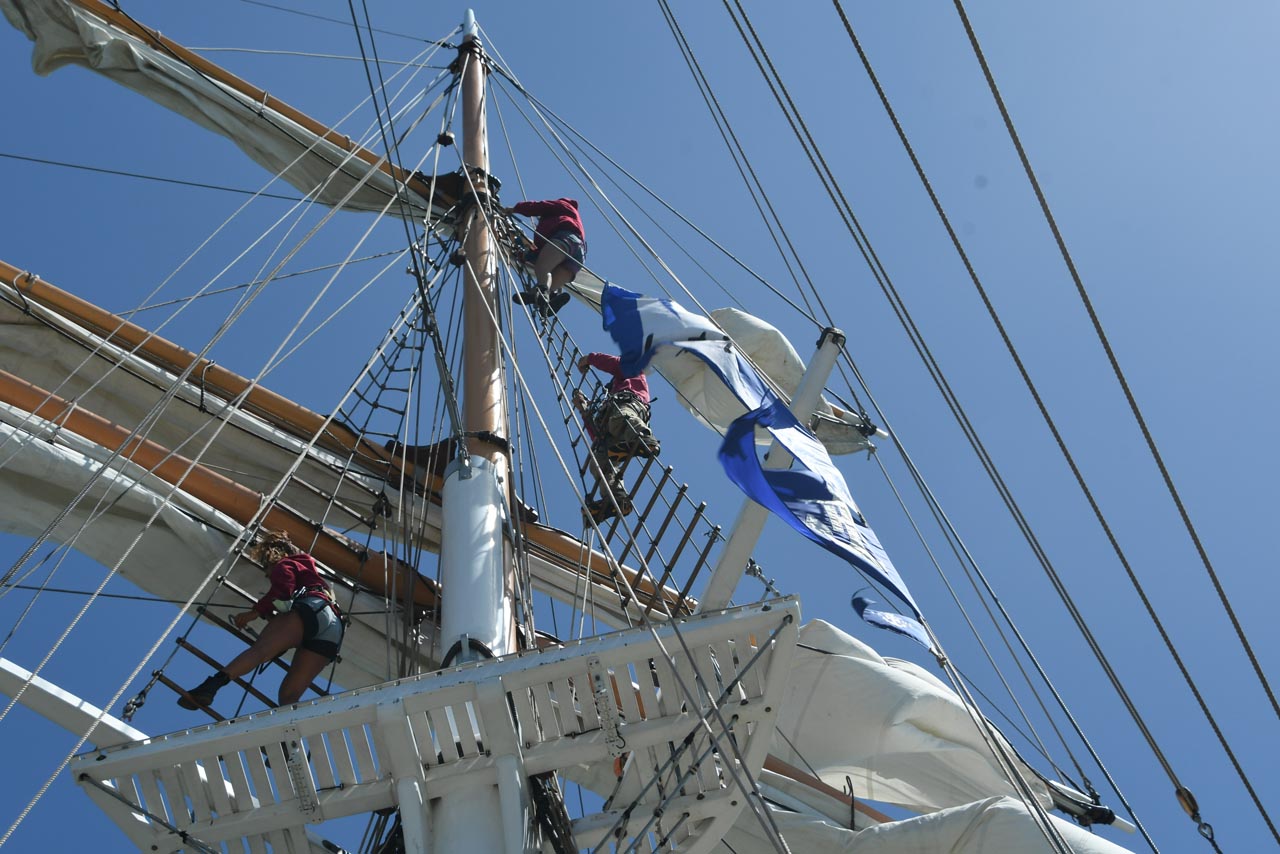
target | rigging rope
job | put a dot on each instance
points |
(309, 55)
(242, 286)
(340, 22)
(818, 162)
(139, 175)
(1049, 420)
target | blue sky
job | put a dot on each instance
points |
(1152, 129)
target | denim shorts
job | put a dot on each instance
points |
(322, 630)
(572, 247)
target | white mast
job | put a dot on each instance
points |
(476, 566)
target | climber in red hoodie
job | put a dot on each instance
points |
(559, 248)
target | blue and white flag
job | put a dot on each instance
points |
(812, 496)
(893, 622)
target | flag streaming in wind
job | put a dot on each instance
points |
(891, 621)
(812, 496)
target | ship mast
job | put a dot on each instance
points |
(476, 565)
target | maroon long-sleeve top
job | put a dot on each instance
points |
(553, 215)
(610, 364)
(288, 576)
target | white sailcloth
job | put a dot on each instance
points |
(49, 350)
(44, 470)
(903, 736)
(705, 396)
(66, 34)
(991, 826)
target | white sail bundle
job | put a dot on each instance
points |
(172, 540)
(904, 738)
(50, 350)
(899, 733)
(705, 396)
(304, 154)
(998, 824)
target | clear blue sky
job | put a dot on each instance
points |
(1153, 130)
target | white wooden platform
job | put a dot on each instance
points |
(613, 703)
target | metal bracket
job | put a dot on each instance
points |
(606, 710)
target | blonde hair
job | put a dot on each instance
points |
(272, 542)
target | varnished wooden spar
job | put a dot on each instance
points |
(277, 409)
(551, 545)
(371, 570)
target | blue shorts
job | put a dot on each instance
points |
(565, 243)
(322, 630)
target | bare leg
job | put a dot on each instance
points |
(303, 670)
(283, 632)
(560, 277)
(547, 271)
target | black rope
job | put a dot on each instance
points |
(122, 596)
(343, 23)
(1044, 205)
(255, 283)
(1114, 361)
(140, 176)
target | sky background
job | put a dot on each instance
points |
(1153, 130)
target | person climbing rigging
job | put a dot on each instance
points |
(619, 429)
(303, 617)
(559, 248)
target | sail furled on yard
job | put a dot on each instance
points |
(119, 371)
(168, 539)
(898, 732)
(304, 153)
(998, 824)
(706, 397)
(812, 496)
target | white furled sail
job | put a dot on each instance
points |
(705, 396)
(46, 468)
(992, 825)
(903, 736)
(310, 157)
(56, 349)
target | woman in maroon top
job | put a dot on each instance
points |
(559, 248)
(302, 616)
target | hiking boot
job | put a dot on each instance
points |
(533, 296)
(640, 448)
(648, 447)
(558, 301)
(602, 509)
(202, 695)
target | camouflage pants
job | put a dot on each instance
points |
(621, 425)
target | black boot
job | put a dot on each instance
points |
(603, 509)
(202, 694)
(536, 295)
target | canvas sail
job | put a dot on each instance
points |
(994, 824)
(311, 158)
(52, 351)
(705, 397)
(899, 733)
